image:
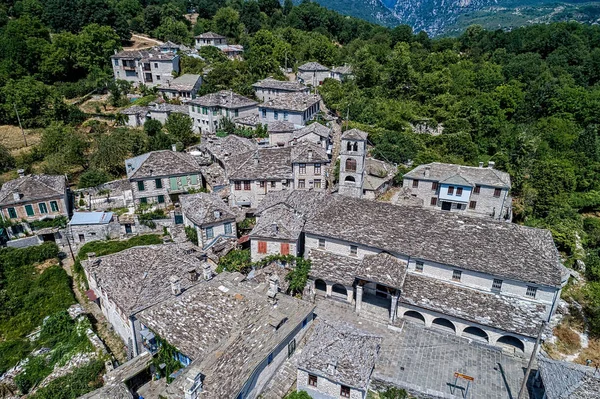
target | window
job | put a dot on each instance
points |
(12, 213)
(317, 183)
(301, 183)
(351, 165)
(317, 169)
(161, 199)
(458, 191)
(158, 183)
(193, 179)
(497, 285)
(284, 249)
(456, 275)
(143, 200)
(273, 184)
(157, 77)
(312, 380)
(472, 204)
(434, 186)
(116, 62)
(344, 391)
(205, 110)
(275, 115)
(264, 113)
(451, 190)
(477, 190)
(214, 112)
(262, 247)
(353, 250)
(531, 291)
(140, 185)
(246, 185)
(236, 113)
(43, 207)
(228, 229)
(415, 183)
(261, 184)
(238, 185)
(285, 115)
(497, 192)
(54, 206)
(156, 65)
(302, 168)
(433, 201)
(291, 347)
(321, 243)
(28, 210)
(209, 232)
(419, 266)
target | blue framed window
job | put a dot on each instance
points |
(43, 207)
(12, 213)
(141, 186)
(209, 232)
(54, 206)
(270, 358)
(228, 229)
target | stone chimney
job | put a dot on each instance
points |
(192, 274)
(193, 386)
(206, 270)
(175, 285)
(255, 158)
(17, 196)
(427, 171)
(217, 214)
(491, 164)
(173, 147)
(273, 286)
(310, 154)
(331, 366)
(21, 172)
(481, 164)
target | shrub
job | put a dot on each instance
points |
(191, 234)
(83, 380)
(393, 393)
(92, 178)
(298, 395)
(237, 260)
(101, 248)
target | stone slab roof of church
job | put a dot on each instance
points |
(472, 174)
(270, 83)
(341, 352)
(293, 102)
(510, 314)
(305, 202)
(501, 249)
(223, 99)
(161, 164)
(227, 326)
(209, 35)
(204, 208)
(312, 66)
(378, 173)
(566, 380)
(381, 268)
(264, 163)
(308, 152)
(355, 134)
(32, 188)
(278, 222)
(138, 277)
(316, 128)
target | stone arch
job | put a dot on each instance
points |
(475, 333)
(350, 179)
(415, 317)
(320, 285)
(339, 291)
(510, 342)
(350, 165)
(443, 324)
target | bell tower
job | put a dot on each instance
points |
(353, 152)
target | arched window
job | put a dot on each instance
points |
(443, 324)
(320, 285)
(415, 317)
(355, 148)
(349, 146)
(350, 179)
(351, 165)
(475, 333)
(511, 343)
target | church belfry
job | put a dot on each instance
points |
(353, 152)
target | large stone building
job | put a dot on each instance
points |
(476, 191)
(316, 133)
(184, 87)
(137, 115)
(34, 197)
(297, 108)
(208, 111)
(353, 154)
(149, 67)
(313, 73)
(159, 177)
(92, 226)
(270, 88)
(209, 216)
(231, 51)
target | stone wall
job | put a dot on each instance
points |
(256, 193)
(37, 215)
(325, 389)
(151, 192)
(310, 176)
(273, 248)
(313, 78)
(107, 196)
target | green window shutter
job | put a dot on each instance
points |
(158, 183)
(12, 213)
(209, 232)
(161, 199)
(143, 200)
(43, 207)
(227, 228)
(194, 179)
(173, 181)
(54, 206)
(141, 186)
(237, 113)
(29, 210)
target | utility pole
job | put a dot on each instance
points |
(531, 359)
(21, 126)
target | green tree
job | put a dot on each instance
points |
(7, 161)
(179, 127)
(93, 178)
(298, 395)
(173, 30)
(227, 22)
(95, 46)
(72, 145)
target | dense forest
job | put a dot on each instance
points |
(528, 99)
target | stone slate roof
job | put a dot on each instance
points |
(307, 151)
(355, 134)
(278, 222)
(381, 268)
(209, 35)
(144, 55)
(166, 107)
(248, 120)
(316, 128)
(223, 99)
(378, 173)
(341, 353)
(498, 311)
(471, 174)
(264, 163)
(32, 188)
(312, 66)
(214, 175)
(225, 326)
(270, 83)
(501, 249)
(343, 70)
(566, 380)
(223, 148)
(138, 277)
(304, 202)
(182, 83)
(161, 164)
(293, 102)
(203, 208)
(135, 110)
(280, 127)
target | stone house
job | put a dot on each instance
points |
(184, 87)
(270, 88)
(104, 197)
(476, 191)
(341, 73)
(92, 226)
(210, 216)
(337, 361)
(208, 111)
(34, 197)
(313, 74)
(491, 282)
(296, 108)
(316, 133)
(138, 115)
(210, 39)
(561, 379)
(159, 177)
(280, 133)
(149, 67)
(353, 153)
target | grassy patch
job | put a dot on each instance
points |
(568, 341)
(83, 380)
(102, 248)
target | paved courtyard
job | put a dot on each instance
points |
(424, 361)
